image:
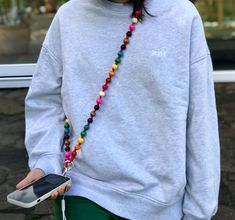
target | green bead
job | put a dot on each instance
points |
(118, 60)
(66, 125)
(83, 133)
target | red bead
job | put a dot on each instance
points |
(108, 80)
(105, 86)
(137, 13)
(74, 153)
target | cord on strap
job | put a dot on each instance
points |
(63, 208)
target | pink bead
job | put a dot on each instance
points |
(132, 27)
(137, 13)
(99, 101)
(67, 154)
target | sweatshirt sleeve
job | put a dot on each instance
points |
(44, 115)
(202, 136)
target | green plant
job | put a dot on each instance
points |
(11, 12)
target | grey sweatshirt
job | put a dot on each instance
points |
(152, 151)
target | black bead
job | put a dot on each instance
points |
(67, 149)
(96, 107)
(128, 33)
(90, 120)
(66, 137)
(123, 46)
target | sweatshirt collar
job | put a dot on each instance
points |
(118, 8)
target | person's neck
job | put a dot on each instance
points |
(119, 1)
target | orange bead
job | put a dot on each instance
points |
(77, 147)
(111, 73)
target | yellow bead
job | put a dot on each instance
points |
(67, 120)
(80, 140)
(115, 66)
(102, 93)
(134, 20)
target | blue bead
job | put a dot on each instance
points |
(120, 53)
(86, 127)
(66, 130)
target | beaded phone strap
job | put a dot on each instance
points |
(69, 156)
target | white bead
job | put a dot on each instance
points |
(101, 93)
(135, 20)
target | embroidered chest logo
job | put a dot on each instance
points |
(158, 53)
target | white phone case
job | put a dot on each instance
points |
(35, 202)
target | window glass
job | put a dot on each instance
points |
(24, 23)
(219, 21)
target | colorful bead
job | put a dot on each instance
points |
(114, 66)
(80, 140)
(92, 114)
(66, 136)
(108, 80)
(99, 101)
(129, 33)
(126, 40)
(111, 73)
(86, 127)
(123, 47)
(90, 120)
(132, 27)
(83, 133)
(137, 13)
(77, 147)
(96, 107)
(66, 130)
(120, 53)
(118, 60)
(67, 149)
(105, 86)
(67, 120)
(67, 154)
(134, 20)
(74, 153)
(67, 143)
(66, 125)
(102, 93)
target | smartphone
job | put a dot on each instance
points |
(37, 191)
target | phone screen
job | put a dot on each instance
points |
(39, 188)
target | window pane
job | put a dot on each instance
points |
(219, 22)
(23, 25)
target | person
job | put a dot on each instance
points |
(151, 149)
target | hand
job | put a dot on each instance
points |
(36, 174)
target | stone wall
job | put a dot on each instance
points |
(13, 161)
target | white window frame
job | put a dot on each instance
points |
(20, 75)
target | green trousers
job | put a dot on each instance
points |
(81, 208)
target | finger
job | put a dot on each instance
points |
(24, 182)
(67, 187)
(61, 190)
(54, 195)
(31, 176)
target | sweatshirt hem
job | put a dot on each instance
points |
(130, 206)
